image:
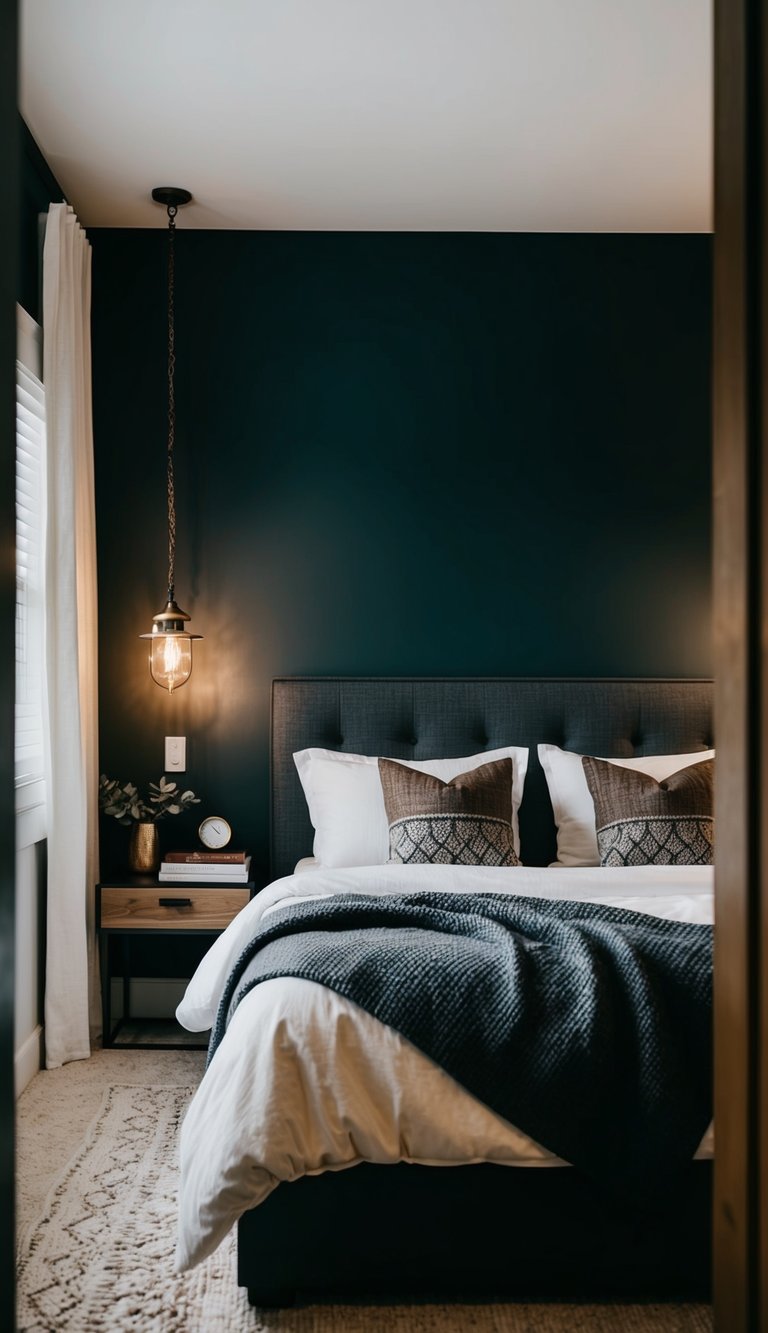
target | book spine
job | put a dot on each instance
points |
(201, 872)
(206, 858)
(167, 877)
(190, 868)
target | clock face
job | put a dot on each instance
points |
(214, 832)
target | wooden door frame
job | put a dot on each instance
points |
(740, 456)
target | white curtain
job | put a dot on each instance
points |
(71, 985)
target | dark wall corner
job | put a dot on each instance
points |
(39, 188)
(9, 233)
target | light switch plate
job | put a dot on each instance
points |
(175, 754)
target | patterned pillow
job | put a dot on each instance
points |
(467, 821)
(642, 822)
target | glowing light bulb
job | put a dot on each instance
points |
(170, 660)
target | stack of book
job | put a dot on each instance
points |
(205, 868)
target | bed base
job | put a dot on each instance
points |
(473, 1232)
(393, 1233)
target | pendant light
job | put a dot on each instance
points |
(170, 653)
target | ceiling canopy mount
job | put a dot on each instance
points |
(170, 196)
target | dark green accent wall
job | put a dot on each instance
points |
(397, 454)
(39, 188)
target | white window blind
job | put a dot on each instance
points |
(30, 566)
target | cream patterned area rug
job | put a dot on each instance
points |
(99, 1256)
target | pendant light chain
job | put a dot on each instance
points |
(170, 654)
(171, 404)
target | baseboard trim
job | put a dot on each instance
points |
(28, 1060)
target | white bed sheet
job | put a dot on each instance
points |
(304, 1081)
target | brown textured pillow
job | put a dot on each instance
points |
(467, 821)
(644, 822)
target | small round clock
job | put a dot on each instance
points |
(214, 832)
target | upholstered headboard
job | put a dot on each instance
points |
(427, 718)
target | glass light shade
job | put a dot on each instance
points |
(170, 653)
(170, 660)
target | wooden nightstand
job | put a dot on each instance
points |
(139, 906)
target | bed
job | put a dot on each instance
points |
(391, 1228)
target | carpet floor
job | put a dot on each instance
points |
(97, 1183)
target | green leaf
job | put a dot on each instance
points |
(123, 802)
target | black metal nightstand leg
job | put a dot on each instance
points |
(126, 980)
(106, 987)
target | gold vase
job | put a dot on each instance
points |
(144, 848)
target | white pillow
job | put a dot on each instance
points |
(346, 803)
(572, 801)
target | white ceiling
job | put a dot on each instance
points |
(405, 115)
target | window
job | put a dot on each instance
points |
(30, 582)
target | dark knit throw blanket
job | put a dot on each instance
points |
(587, 1027)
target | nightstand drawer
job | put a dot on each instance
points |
(171, 907)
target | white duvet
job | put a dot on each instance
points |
(304, 1081)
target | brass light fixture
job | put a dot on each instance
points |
(170, 654)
